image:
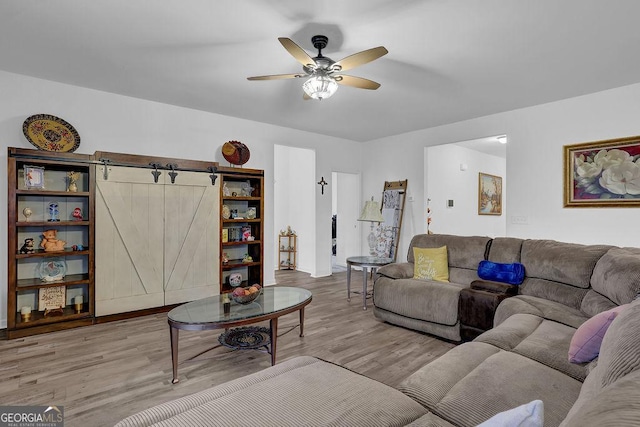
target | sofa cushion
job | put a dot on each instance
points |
(566, 263)
(431, 264)
(396, 270)
(617, 275)
(463, 251)
(282, 396)
(610, 394)
(586, 341)
(474, 381)
(594, 303)
(620, 349)
(616, 405)
(430, 420)
(505, 249)
(419, 299)
(541, 307)
(538, 339)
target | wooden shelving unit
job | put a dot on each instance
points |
(287, 252)
(24, 269)
(241, 225)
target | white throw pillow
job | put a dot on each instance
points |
(528, 415)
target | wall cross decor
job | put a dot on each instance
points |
(322, 183)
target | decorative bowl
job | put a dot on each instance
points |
(246, 299)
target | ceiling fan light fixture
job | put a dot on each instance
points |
(320, 87)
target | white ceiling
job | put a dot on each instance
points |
(449, 60)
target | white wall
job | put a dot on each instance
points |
(109, 122)
(534, 166)
(294, 201)
(445, 181)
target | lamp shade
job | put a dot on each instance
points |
(371, 212)
(320, 86)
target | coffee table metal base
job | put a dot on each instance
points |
(246, 338)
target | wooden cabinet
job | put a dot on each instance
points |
(141, 233)
(49, 191)
(157, 235)
(287, 251)
(242, 226)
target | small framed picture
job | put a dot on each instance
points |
(489, 194)
(34, 177)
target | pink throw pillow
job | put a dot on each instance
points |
(586, 341)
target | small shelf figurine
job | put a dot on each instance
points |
(225, 190)
(77, 214)
(27, 212)
(53, 212)
(225, 259)
(246, 189)
(247, 258)
(50, 242)
(28, 246)
(72, 178)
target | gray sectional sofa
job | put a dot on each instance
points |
(522, 359)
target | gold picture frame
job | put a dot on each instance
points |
(602, 173)
(489, 194)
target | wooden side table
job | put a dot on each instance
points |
(365, 262)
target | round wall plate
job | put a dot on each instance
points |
(235, 152)
(50, 133)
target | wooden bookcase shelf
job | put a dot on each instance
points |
(24, 285)
(241, 216)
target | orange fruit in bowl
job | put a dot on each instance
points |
(247, 292)
(253, 289)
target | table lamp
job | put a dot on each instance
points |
(371, 213)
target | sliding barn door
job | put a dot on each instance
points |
(156, 243)
(191, 245)
(129, 255)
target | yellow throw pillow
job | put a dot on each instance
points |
(431, 264)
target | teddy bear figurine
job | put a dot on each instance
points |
(50, 242)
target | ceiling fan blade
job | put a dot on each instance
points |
(297, 52)
(277, 76)
(358, 82)
(360, 58)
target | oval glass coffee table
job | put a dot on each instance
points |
(208, 313)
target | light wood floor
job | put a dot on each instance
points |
(103, 373)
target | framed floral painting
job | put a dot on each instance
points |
(489, 194)
(602, 173)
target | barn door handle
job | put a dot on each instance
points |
(156, 173)
(213, 175)
(105, 172)
(173, 173)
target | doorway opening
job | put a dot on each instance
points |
(451, 183)
(345, 209)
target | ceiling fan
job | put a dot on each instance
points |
(324, 73)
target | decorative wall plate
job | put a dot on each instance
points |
(52, 269)
(235, 152)
(51, 133)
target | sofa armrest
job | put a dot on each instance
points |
(397, 270)
(494, 287)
